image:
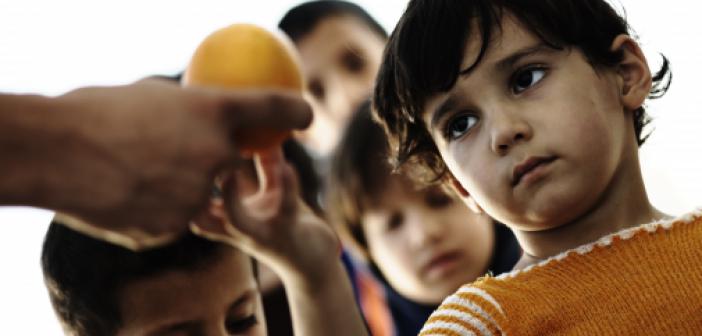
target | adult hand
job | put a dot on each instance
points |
(131, 164)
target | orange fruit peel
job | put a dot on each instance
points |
(246, 56)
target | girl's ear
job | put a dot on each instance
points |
(634, 74)
(463, 193)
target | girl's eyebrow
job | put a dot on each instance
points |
(509, 61)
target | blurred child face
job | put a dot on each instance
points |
(534, 135)
(340, 59)
(425, 243)
(222, 298)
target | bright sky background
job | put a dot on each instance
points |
(50, 47)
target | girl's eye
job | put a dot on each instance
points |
(239, 326)
(460, 125)
(527, 78)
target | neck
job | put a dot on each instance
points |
(623, 204)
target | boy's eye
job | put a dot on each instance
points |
(394, 221)
(352, 61)
(460, 125)
(238, 326)
(316, 88)
(527, 78)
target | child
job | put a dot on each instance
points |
(533, 112)
(191, 286)
(421, 244)
(340, 46)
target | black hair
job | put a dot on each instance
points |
(85, 276)
(359, 173)
(302, 19)
(361, 176)
(309, 180)
(424, 54)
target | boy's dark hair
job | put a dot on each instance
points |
(424, 54)
(302, 19)
(309, 180)
(360, 173)
(85, 276)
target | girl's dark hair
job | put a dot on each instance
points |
(424, 54)
(302, 19)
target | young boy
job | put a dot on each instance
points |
(192, 286)
(340, 47)
(533, 112)
(421, 244)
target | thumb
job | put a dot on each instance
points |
(267, 108)
(257, 119)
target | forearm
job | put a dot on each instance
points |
(44, 148)
(27, 129)
(324, 306)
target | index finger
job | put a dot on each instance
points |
(266, 109)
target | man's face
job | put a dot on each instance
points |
(425, 243)
(340, 59)
(222, 298)
(534, 135)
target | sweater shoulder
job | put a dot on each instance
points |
(469, 311)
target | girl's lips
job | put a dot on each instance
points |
(529, 166)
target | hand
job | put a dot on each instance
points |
(270, 222)
(262, 214)
(138, 160)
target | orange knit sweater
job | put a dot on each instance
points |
(645, 280)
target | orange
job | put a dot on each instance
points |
(246, 56)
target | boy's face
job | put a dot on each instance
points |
(425, 243)
(220, 299)
(340, 59)
(533, 135)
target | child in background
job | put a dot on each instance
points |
(340, 46)
(533, 112)
(192, 286)
(421, 243)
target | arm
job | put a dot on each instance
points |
(27, 128)
(325, 306)
(134, 160)
(298, 245)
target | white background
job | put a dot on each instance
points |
(50, 47)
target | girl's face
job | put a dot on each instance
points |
(534, 136)
(222, 298)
